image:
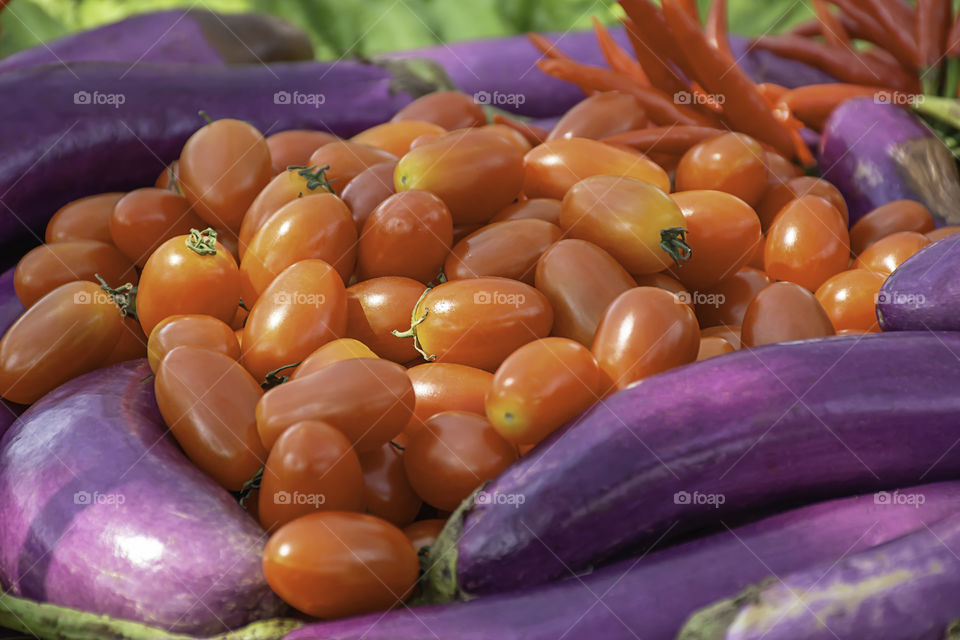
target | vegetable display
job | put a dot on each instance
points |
(921, 295)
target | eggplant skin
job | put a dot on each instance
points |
(10, 310)
(923, 294)
(101, 511)
(752, 431)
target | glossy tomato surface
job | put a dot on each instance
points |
(509, 249)
(781, 312)
(146, 218)
(378, 307)
(191, 331)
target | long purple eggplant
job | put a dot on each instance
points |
(651, 596)
(752, 431)
(10, 310)
(101, 511)
(923, 294)
(906, 589)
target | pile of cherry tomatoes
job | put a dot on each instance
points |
(354, 335)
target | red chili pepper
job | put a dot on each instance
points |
(717, 28)
(901, 42)
(653, 29)
(953, 39)
(618, 59)
(932, 25)
(535, 135)
(830, 26)
(661, 74)
(869, 29)
(690, 7)
(813, 104)
(674, 139)
(546, 47)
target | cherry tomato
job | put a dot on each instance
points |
(317, 227)
(510, 135)
(146, 218)
(131, 343)
(395, 137)
(600, 115)
(190, 331)
(333, 564)
(48, 266)
(388, 492)
(723, 233)
(209, 403)
(333, 351)
(849, 298)
(191, 274)
(756, 258)
(942, 232)
(294, 146)
(301, 310)
(580, 280)
(779, 170)
(668, 283)
(782, 312)
(67, 333)
(780, 196)
(441, 386)
(807, 243)
(730, 333)
(553, 167)
(888, 253)
(424, 533)
(347, 160)
(223, 166)
(376, 308)
(453, 455)
(409, 234)
(546, 209)
(368, 399)
(899, 215)
(603, 210)
(509, 249)
(84, 219)
(285, 187)
(449, 109)
(476, 173)
(365, 192)
(312, 467)
(541, 386)
(712, 346)
(479, 321)
(732, 162)
(726, 302)
(644, 331)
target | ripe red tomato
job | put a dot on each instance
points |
(712, 346)
(333, 351)
(668, 283)
(541, 386)
(807, 243)
(48, 266)
(732, 162)
(84, 219)
(312, 467)
(209, 403)
(424, 533)
(131, 344)
(191, 274)
(899, 215)
(449, 109)
(781, 312)
(395, 136)
(409, 234)
(850, 298)
(600, 115)
(190, 331)
(552, 168)
(730, 333)
(347, 160)
(942, 232)
(441, 386)
(888, 253)
(388, 492)
(603, 210)
(146, 218)
(301, 310)
(726, 302)
(779, 170)
(333, 564)
(365, 192)
(294, 146)
(546, 209)
(780, 196)
(379, 306)
(510, 135)
(509, 249)
(453, 455)
(223, 166)
(66, 333)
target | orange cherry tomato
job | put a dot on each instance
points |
(779, 170)
(223, 166)
(479, 321)
(509, 249)
(84, 219)
(379, 306)
(600, 115)
(580, 280)
(603, 210)
(209, 403)
(475, 172)
(294, 146)
(146, 218)
(449, 109)
(347, 160)
(730, 333)
(732, 162)
(453, 455)
(888, 253)
(552, 168)
(723, 232)
(191, 274)
(169, 178)
(756, 258)
(333, 564)
(546, 209)
(368, 399)
(782, 312)
(441, 386)
(365, 192)
(644, 331)
(781, 195)
(48, 266)
(333, 351)
(190, 331)
(510, 135)
(807, 243)
(665, 282)
(301, 310)
(850, 297)
(726, 302)
(541, 386)
(409, 234)
(131, 343)
(942, 232)
(424, 533)
(312, 467)
(387, 490)
(395, 137)
(317, 227)
(712, 346)
(66, 333)
(899, 215)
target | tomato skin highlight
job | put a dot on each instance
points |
(294, 146)
(888, 253)
(546, 209)
(600, 115)
(424, 533)
(850, 297)
(333, 351)
(83, 219)
(807, 243)
(713, 346)
(379, 306)
(509, 249)
(347, 160)
(784, 311)
(365, 192)
(48, 266)
(442, 386)
(146, 218)
(190, 331)
(781, 195)
(395, 137)
(727, 301)
(448, 109)
(732, 162)
(387, 490)
(899, 215)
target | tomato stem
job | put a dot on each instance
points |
(316, 177)
(206, 116)
(674, 242)
(273, 380)
(250, 486)
(397, 446)
(203, 242)
(414, 323)
(124, 297)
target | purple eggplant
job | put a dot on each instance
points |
(10, 310)
(875, 153)
(719, 439)
(923, 294)
(101, 511)
(190, 36)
